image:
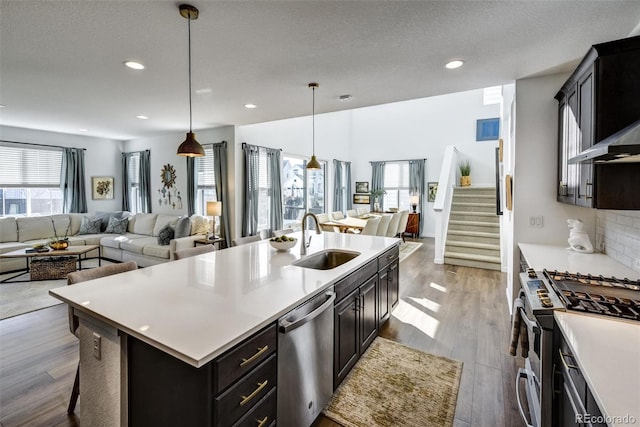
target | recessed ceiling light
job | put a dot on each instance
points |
(134, 65)
(83, 130)
(142, 117)
(345, 98)
(250, 105)
(457, 63)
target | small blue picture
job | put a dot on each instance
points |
(488, 129)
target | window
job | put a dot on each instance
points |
(492, 95)
(206, 178)
(396, 184)
(302, 189)
(30, 180)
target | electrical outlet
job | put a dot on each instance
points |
(97, 345)
(535, 221)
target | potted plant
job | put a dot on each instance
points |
(465, 172)
(376, 198)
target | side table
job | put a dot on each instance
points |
(413, 224)
(215, 240)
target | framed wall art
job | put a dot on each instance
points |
(102, 187)
(362, 186)
(361, 199)
(432, 189)
(488, 129)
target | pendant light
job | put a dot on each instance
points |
(190, 147)
(313, 163)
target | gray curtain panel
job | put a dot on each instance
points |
(377, 181)
(145, 181)
(338, 195)
(74, 196)
(220, 169)
(417, 185)
(342, 185)
(347, 181)
(251, 190)
(275, 166)
(125, 181)
(192, 184)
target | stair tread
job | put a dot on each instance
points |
(474, 233)
(472, 204)
(477, 223)
(474, 213)
(474, 257)
(471, 196)
(475, 245)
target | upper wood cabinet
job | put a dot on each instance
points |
(601, 97)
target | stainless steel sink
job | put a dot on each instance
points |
(327, 259)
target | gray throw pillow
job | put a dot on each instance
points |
(183, 227)
(104, 216)
(117, 226)
(165, 235)
(90, 225)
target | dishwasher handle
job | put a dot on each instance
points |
(285, 326)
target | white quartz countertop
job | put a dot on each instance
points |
(199, 307)
(608, 354)
(560, 258)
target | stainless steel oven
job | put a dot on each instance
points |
(536, 377)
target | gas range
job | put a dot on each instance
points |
(588, 293)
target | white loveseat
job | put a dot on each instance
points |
(139, 243)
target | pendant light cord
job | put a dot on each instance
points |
(190, 119)
(313, 121)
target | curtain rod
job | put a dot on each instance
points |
(40, 145)
(260, 146)
(392, 161)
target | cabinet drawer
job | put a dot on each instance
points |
(240, 360)
(345, 286)
(388, 257)
(242, 396)
(263, 414)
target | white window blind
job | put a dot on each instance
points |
(206, 175)
(396, 184)
(133, 171)
(22, 166)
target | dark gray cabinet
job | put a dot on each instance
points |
(164, 391)
(364, 301)
(601, 97)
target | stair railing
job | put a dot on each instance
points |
(444, 196)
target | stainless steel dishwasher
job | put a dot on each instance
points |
(305, 361)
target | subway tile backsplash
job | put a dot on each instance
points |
(618, 235)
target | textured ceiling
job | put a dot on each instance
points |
(61, 62)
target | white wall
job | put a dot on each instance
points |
(535, 171)
(406, 130)
(102, 158)
(163, 152)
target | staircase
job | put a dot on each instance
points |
(473, 236)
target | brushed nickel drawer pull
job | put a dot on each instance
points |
(255, 356)
(246, 399)
(263, 421)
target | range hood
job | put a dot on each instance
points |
(622, 146)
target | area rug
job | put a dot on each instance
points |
(23, 297)
(407, 248)
(394, 385)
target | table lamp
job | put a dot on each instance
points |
(214, 209)
(414, 202)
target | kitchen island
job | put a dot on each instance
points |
(194, 310)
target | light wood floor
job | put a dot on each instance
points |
(457, 312)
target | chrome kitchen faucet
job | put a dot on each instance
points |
(304, 244)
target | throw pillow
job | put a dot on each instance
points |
(183, 227)
(165, 235)
(117, 226)
(104, 216)
(90, 225)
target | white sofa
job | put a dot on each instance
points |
(139, 243)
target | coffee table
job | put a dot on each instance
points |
(77, 251)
